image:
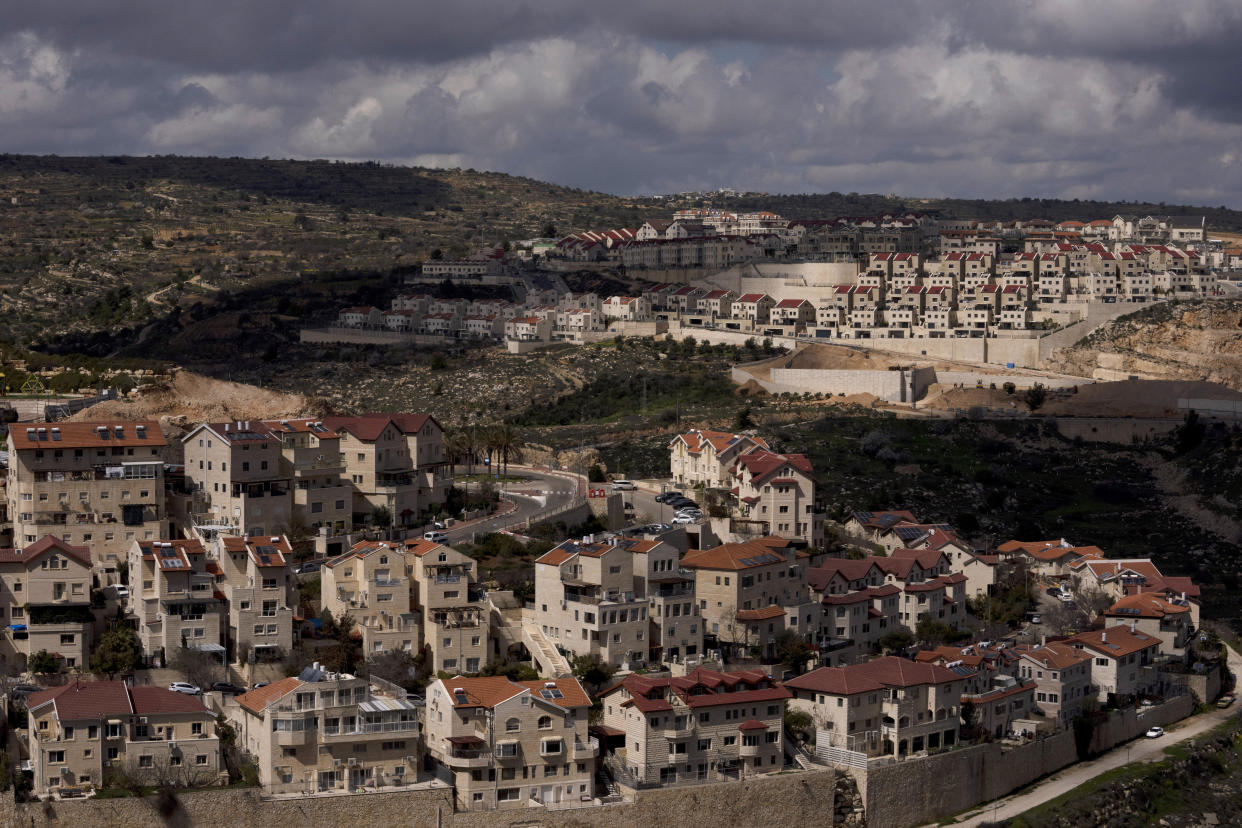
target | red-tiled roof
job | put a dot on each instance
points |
(737, 556)
(44, 545)
(256, 700)
(889, 671)
(773, 611)
(152, 700)
(369, 427)
(84, 700)
(109, 434)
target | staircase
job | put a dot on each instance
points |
(548, 661)
(798, 752)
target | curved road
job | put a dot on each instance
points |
(1137, 750)
(558, 490)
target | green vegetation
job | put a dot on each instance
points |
(1192, 779)
(44, 663)
(117, 650)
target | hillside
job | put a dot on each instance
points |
(110, 244)
(1195, 340)
(93, 251)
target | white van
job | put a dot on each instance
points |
(623, 486)
(435, 537)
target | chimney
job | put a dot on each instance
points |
(1043, 640)
(1132, 623)
(1104, 637)
(226, 428)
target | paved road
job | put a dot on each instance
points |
(557, 489)
(1139, 750)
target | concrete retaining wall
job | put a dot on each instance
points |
(925, 790)
(898, 386)
(767, 802)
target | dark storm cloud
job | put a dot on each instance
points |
(1116, 98)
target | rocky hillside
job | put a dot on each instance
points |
(1195, 340)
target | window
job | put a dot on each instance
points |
(200, 759)
(545, 722)
(113, 753)
(56, 756)
(513, 725)
(146, 761)
(196, 728)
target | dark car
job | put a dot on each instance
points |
(1055, 592)
(310, 566)
(665, 497)
(228, 687)
(21, 691)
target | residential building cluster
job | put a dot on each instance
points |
(667, 608)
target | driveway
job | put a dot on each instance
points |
(1138, 750)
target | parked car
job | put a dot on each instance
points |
(435, 537)
(623, 486)
(305, 568)
(1055, 592)
(185, 687)
(1155, 732)
(681, 520)
(227, 687)
(259, 684)
(1226, 700)
(682, 502)
(665, 497)
(120, 592)
(694, 513)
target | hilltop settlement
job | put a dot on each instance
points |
(301, 603)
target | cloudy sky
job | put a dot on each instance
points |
(1114, 99)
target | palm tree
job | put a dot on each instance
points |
(508, 444)
(456, 443)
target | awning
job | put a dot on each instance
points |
(465, 740)
(206, 647)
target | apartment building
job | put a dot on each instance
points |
(323, 731)
(587, 602)
(80, 730)
(888, 706)
(172, 595)
(510, 744)
(1062, 676)
(257, 583)
(99, 484)
(704, 725)
(776, 494)
(1121, 661)
(310, 457)
(370, 584)
(452, 604)
(749, 593)
(45, 592)
(1119, 577)
(238, 479)
(395, 462)
(1007, 707)
(1164, 618)
(708, 457)
(677, 628)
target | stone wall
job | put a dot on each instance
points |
(925, 790)
(775, 801)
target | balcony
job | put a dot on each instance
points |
(294, 738)
(585, 750)
(748, 749)
(343, 733)
(678, 730)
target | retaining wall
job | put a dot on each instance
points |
(775, 801)
(1123, 430)
(925, 790)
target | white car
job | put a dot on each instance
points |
(1155, 733)
(185, 687)
(435, 537)
(682, 520)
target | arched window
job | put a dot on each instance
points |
(513, 725)
(545, 722)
